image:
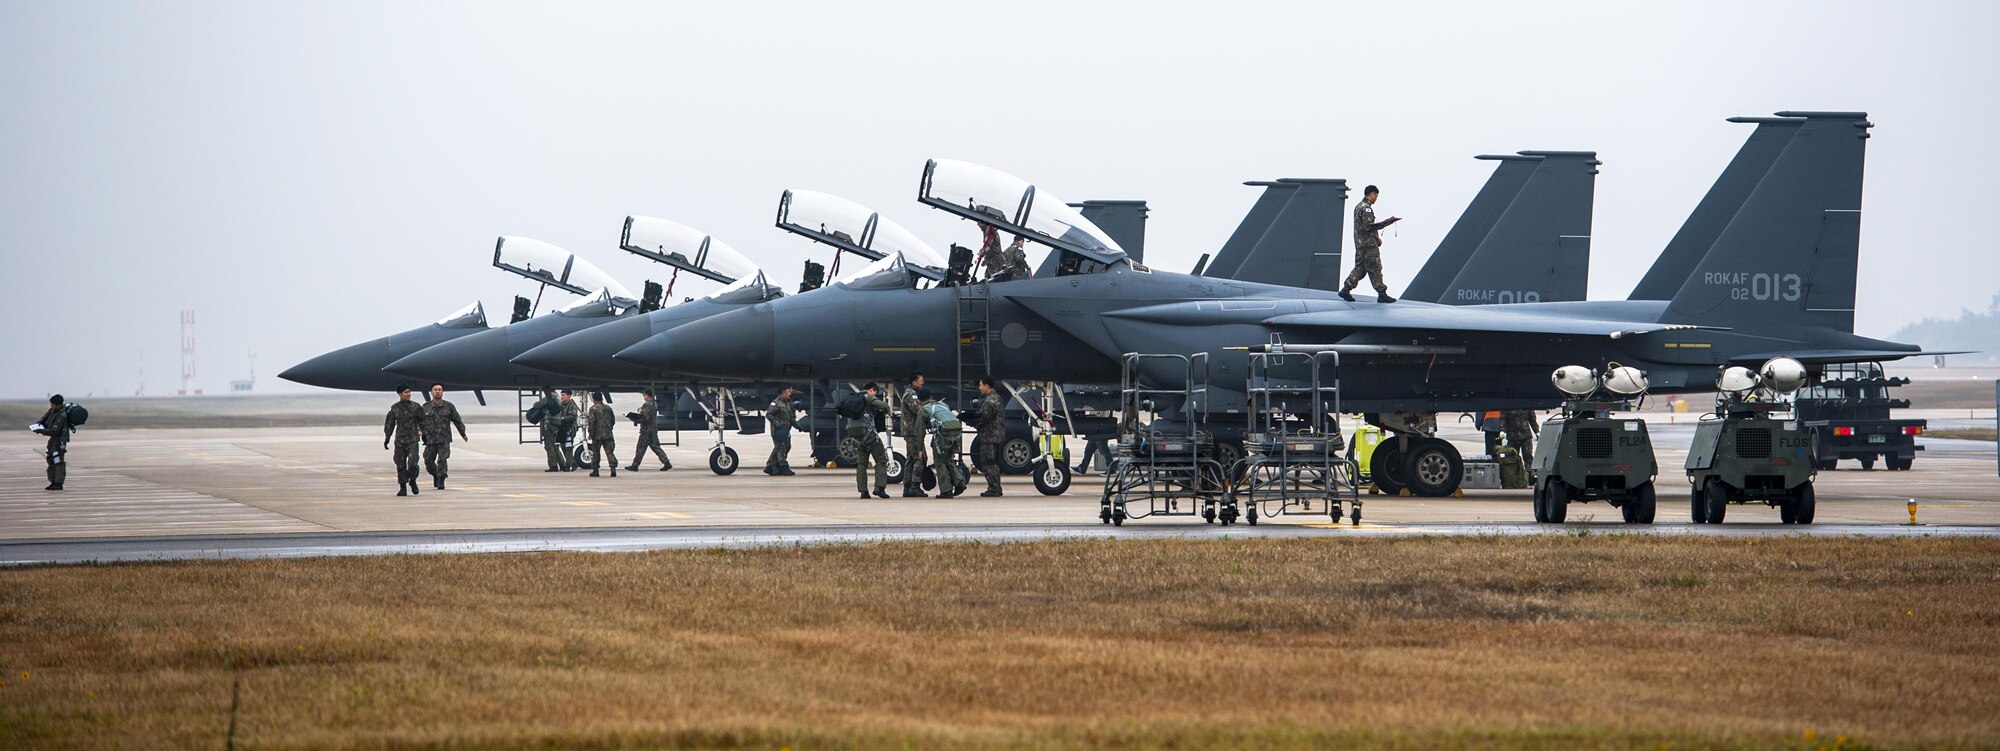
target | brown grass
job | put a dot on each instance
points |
(1558, 642)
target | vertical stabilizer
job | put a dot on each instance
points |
(1250, 229)
(1724, 198)
(1539, 249)
(1301, 248)
(1789, 256)
(1124, 221)
(1478, 219)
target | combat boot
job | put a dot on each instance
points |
(879, 493)
(614, 470)
(993, 493)
(1384, 297)
(912, 491)
(593, 473)
(1347, 295)
(402, 488)
(413, 487)
(438, 482)
(633, 468)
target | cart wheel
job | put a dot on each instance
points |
(1104, 514)
(1558, 501)
(1228, 515)
(1541, 506)
(1118, 517)
(1648, 502)
(1208, 514)
(1250, 513)
(1805, 503)
(1052, 477)
(1357, 515)
(1715, 501)
(722, 461)
(1386, 468)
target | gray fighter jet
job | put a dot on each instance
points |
(1779, 279)
(360, 367)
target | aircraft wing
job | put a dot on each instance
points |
(1830, 356)
(1481, 318)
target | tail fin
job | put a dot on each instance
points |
(1124, 221)
(1478, 219)
(1237, 248)
(1539, 249)
(1305, 235)
(1789, 256)
(1724, 198)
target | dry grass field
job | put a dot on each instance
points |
(1545, 642)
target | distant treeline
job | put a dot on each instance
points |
(1978, 332)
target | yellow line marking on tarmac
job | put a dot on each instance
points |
(663, 515)
(473, 489)
(522, 495)
(585, 503)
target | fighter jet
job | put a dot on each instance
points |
(1778, 280)
(481, 360)
(360, 367)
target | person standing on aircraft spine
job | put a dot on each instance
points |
(992, 434)
(55, 425)
(602, 422)
(1368, 248)
(440, 417)
(780, 419)
(990, 254)
(911, 425)
(404, 425)
(648, 418)
(944, 459)
(861, 426)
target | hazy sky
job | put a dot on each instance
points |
(306, 176)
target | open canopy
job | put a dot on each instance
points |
(852, 227)
(988, 195)
(469, 317)
(554, 266)
(685, 248)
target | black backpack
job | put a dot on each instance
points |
(854, 406)
(535, 414)
(78, 415)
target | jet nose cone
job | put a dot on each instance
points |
(588, 353)
(475, 360)
(356, 368)
(737, 344)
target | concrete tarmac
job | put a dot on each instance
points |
(142, 494)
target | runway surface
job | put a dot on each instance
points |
(286, 492)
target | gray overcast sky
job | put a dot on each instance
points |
(308, 175)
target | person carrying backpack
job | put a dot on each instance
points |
(861, 410)
(946, 443)
(56, 424)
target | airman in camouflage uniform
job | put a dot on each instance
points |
(405, 425)
(55, 425)
(1368, 248)
(648, 418)
(1520, 430)
(992, 429)
(912, 424)
(944, 459)
(558, 427)
(440, 417)
(868, 444)
(602, 441)
(780, 420)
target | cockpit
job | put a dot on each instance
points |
(688, 249)
(853, 228)
(469, 317)
(888, 272)
(548, 264)
(600, 303)
(1015, 206)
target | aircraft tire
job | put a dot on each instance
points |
(722, 461)
(1052, 477)
(1433, 468)
(898, 464)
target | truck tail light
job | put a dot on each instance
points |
(1843, 430)
(1913, 430)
